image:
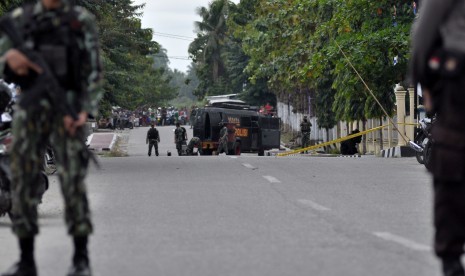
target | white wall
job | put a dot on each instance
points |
(293, 121)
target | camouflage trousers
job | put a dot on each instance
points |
(179, 147)
(153, 143)
(32, 131)
(305, 139)
(223, 145)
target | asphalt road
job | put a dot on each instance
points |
(221, 215)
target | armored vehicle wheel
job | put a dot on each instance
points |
(237, 149)
(207, 152)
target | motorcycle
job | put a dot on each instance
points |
(49, 161)
(6, 139)
(421, 137)
(424, 140)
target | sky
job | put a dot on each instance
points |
(173, 17)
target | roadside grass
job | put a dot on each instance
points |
(117, 150)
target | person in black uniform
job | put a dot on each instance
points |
(438, 64)
(153, 138)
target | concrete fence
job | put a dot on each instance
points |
(291, 123)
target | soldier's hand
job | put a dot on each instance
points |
(81, 120)
(20, 64)
(428, 102)
(68, 122)
(72, 125)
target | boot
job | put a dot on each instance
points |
(26, 265)
(452, 267)
(80, 266)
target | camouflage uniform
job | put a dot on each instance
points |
(179, 138)
(195, 141)
(43, 123)
(223, 142)
(305, 128)
(153, 138)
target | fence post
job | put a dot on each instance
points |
(411, 94)
(400, 100)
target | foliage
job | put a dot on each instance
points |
(219, 56)
(130, 79)
(207, 49)
(294, 46)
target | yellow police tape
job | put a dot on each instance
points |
(336, 141)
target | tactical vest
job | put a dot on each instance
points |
(58, 39)
(153, 134)
(179, 134)
(305, 127)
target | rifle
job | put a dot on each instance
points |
(35, 86)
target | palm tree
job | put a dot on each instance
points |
(211, 35)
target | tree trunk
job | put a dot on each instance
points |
(215, 70)
(381, 139)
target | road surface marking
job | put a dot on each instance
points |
(233, 157)
(402, 241)
(248, 166)
(113, 141)
(271, 179)
(313, 205)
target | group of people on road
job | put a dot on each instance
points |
(180, 140)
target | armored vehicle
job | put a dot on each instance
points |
(248, 131)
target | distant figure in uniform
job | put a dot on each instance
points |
(438, 64)
(194, 142)
(153, 138)
(223, 141)
(192, 117)
(180, 137)
(305, 129)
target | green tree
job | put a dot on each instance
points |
(130, 78)
(207, 49)
(254, 92)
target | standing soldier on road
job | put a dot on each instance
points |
(438, 64)
(180, 136)
(223, 141)
(153, 138)
(305, 128)
(65, 38)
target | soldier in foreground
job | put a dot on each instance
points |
(438, 64)
(50, 48)
(153, 138)
(305, 129)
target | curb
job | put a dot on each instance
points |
(398, 152)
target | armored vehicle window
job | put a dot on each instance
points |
(246, 121)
